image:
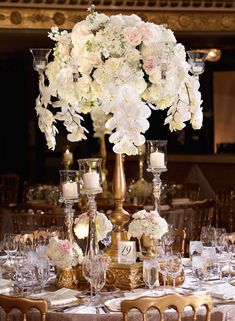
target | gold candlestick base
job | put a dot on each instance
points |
(119, 216)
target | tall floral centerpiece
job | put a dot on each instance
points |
(119, 69)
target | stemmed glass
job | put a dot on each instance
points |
(174, 267)
(162, 267)
(168, 239)
(10, 245)
(199, 268)
(94, 269)
(195, 248)
(150, 273)
(207, 236)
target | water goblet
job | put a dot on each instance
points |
(162, 268)
(150, 273)
(10, 245)
(199, 268)
(174, 267)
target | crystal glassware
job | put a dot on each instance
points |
(162, 267)
(197, 61)
(157, 163)
(199, 268)
(150, 273)
(10, 244)
(40, 58)
(91, 182)
(69, 194)
(195, 248)
(168, 239)
(207, 236)
(174, 267)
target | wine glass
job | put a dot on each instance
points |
(168, 238)
(150, 273)
(207, 236)
(162, 268)
(10, 245)
(94, 270)
(174, 266)
(98, 279)
(199, 268)
(195, 248)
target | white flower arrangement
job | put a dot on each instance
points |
(147, 223)
(123, 67)
(103, 226)
(63, 254)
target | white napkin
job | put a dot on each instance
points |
(223, 291)
(84, 310)
(5, 286)
(61, 297)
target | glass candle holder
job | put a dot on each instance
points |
(90, 173)
(197, 61)
(40, 58)
(157, 163)
(69, 194)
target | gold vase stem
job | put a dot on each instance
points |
(103, 153)
(119, 216)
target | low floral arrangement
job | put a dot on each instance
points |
(63, 254)
(147, 223)
(117, 68)
(103, 226)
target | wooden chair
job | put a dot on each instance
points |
(179, 242)
(8, 303)
(175, 301)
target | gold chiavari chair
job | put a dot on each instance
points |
(175, 301)
(8, 303)
(225, 209)
(179, 241)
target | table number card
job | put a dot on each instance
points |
(126, 252)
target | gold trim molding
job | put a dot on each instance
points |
(182, 15)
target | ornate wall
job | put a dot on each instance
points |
(182, 15)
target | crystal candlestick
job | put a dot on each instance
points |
(90, 173)
(69, 185)
(156, 159)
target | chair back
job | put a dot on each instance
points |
(187, 190)
(175, 301)
(225, 209)
(179, 241)
(8, 303)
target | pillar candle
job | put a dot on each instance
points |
(157, 160)
(68, 156)
(70, 190)
(91, 180)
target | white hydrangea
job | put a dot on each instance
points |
(63, 254)
(103, 226)
(147, 223)
(117, 67)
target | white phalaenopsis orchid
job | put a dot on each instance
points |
(118, 69)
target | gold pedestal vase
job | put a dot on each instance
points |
(119, 216)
